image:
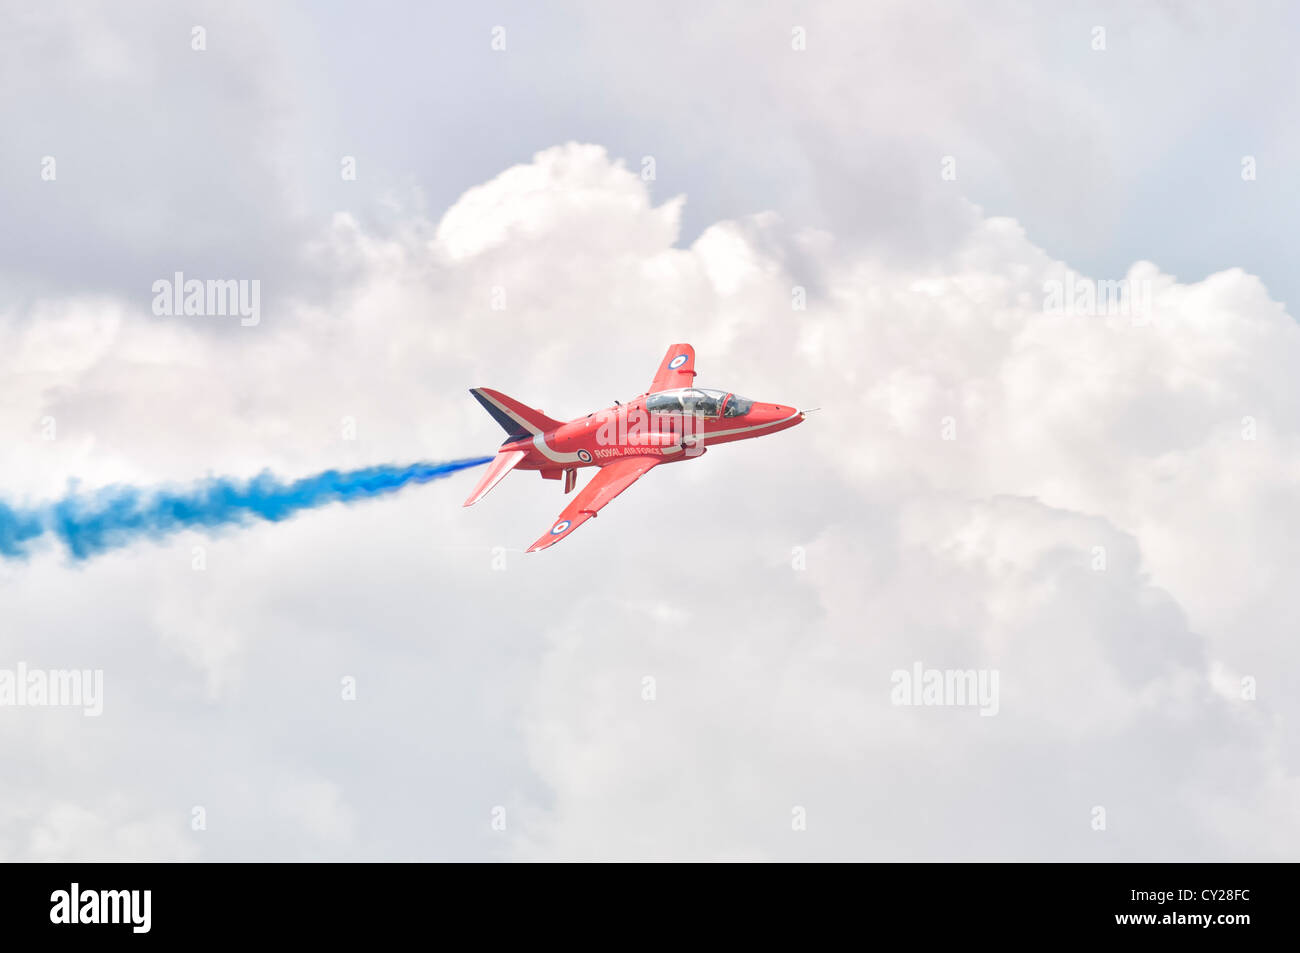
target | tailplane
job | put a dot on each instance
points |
(505, 461)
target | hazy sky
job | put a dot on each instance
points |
(1099, 507)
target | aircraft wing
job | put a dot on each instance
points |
(677, 370)
(611, 480)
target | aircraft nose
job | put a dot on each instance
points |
(775, 413)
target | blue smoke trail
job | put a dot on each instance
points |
(117, 515)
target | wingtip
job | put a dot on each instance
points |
(546, 542)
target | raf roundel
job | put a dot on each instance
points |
(584, 456)
(559, 527)
(677, 362)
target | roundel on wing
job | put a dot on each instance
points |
(559, 527)
(677, 362)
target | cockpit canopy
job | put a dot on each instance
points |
(698, 402)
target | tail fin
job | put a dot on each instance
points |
(505, 461)
(516, 419)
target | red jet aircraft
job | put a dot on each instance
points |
(670, 422)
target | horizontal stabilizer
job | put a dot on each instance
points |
(503, 464)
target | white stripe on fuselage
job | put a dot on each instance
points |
(539, 440)
(727, 433)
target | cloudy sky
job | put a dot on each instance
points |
(1096, 505)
